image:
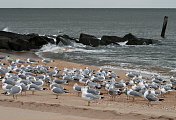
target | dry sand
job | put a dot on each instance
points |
(43, 105)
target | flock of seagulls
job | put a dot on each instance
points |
(19, 76)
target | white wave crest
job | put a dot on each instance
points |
(6, 29)
(131, 70)
(122, 43)
(60, 49)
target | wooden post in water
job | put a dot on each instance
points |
(164, 26)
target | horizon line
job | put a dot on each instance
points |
(91, 7)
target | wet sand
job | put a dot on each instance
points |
(43, 104)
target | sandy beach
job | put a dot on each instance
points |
(69, 106)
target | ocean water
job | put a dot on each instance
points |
(146, 23)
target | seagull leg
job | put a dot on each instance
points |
(16, 97)
(113, 98)
(25, 93)
(110, 97)
(88, 103)
(13, 97)
(149, 103)
(78, 94)
(32, 92)
(57, 96)
(133, 99)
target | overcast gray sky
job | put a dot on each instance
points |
(88, 3)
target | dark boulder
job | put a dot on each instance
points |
(106, 40)
(12, 41)
(133, 40)
(64, 39)
(37, 42)
(68, 37)
(129, 37)
(89, 40)
(19, 42)
(4, 42)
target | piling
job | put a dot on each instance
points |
(164, 26)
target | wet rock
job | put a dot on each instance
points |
(65, 39)
(4, 43)
(106, 40)
(19, 42)
(133, 40)
(89, 40)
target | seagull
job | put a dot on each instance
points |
(46, 60)
(42, 70)
(31, 60)
(98, 78)
(112, 75)
(93, 84)
(136, 88)
(53, 73)
(34, 87)
(60, 81)
(3, 70)
(89, 96)
(120, 84)
(20, 61)
(131, 75)
(133, 94)
(172, 79)
(59, 76)
(67, 77)
(6, 86)
(150, 97)
(40, 76)
(9, 60)
(9, 81)
(94, 91)
(113, 92)
(38, 82)
(15, 90)
(77, 88)
(24, 88)
(47, 79)
(56, 85)
(57, 91)
(83, 80)
(2, 57)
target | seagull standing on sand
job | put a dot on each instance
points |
(150, 97)
(77, 88)
(47, 61)
(15, 90)
(133, 94)
(57, 91)
(89, 96)
(31, 60)
(34, 87)
(113, 92)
